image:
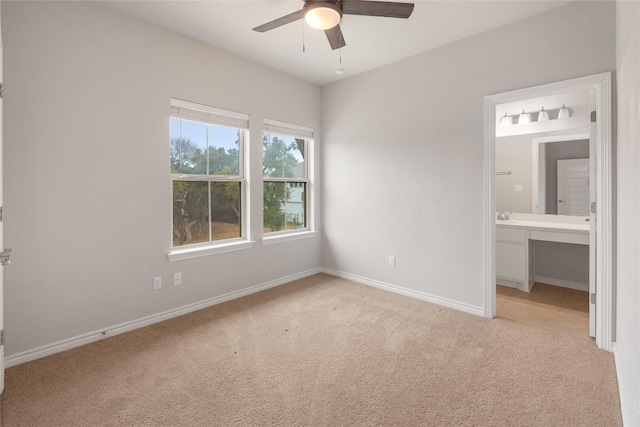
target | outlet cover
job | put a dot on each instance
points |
(157, 283)
(392, 261)
(177, 279)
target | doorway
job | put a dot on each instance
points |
(600, 239)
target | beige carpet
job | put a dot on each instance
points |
(321, 351)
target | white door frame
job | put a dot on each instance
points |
(601, 84)
(1, 224)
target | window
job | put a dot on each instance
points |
(207, 173)
(285, 167)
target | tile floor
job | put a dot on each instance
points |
(550, 307)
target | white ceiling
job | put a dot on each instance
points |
(371, 41)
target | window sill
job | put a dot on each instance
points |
(281, 238)
(200, 251)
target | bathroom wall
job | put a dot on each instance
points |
(513, 154)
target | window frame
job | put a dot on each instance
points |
(228, 119)
(284, 129)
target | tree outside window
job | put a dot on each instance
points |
(207, 176)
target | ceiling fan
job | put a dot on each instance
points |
(326, 15)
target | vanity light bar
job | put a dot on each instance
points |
(539, 116)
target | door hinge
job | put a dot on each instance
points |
(2, 337)
(593, 117)
(0, 90)
(1, 213)
(593, 207)
(593, 298)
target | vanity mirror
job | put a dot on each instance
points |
(542, 166)
(543, 173)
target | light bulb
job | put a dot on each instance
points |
(506, 120)
(564, 113)
(323, 16)
(543, 116)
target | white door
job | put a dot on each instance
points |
(1, 234)
(573, 187)
(1, 249)
(592, 216)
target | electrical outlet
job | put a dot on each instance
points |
(157, 283)
(392, 261)
(177, 279)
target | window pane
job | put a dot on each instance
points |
(283, 156)
(224, 153)
(273, 208)
(284, 206)
(188, 147)
(295, 207)
(225, 210)
(190, 212)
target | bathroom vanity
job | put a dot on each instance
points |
(514, 243)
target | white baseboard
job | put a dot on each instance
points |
(627, 419)
(467, 308)
(67, 344)
(523, 286)
(563, 283)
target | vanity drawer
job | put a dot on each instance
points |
(553, 236)
(513, 235)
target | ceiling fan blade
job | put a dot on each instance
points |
(280, 21)
(335, 37)
(377, 8)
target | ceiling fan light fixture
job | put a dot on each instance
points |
(322, 15)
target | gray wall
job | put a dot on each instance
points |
(560, 151)
(87, 190)
(628, 177)
(403, 148)
(562, 261)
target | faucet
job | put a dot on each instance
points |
(504, 216)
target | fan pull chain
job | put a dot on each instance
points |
(340, 68)
(303, 46)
